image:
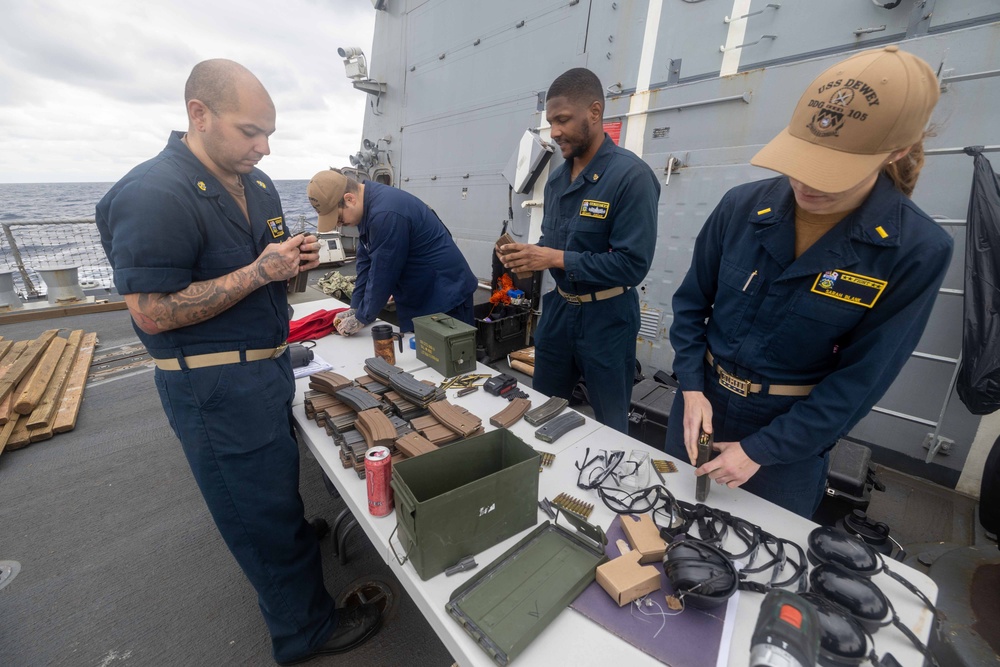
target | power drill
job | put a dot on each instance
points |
(787, 632)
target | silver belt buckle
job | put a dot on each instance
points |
(278, 351)
(572, 298)
(733, 383)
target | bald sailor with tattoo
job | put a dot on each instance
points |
(201, 253)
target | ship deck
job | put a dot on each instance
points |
(121, 563)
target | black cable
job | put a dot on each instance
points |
(714, 526)
(598, 474)
(594, 472)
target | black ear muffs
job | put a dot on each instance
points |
(842, 640)
(863, 600)
(829, 545)
(701, 574)
(858, 595)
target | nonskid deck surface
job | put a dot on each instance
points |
(120, 560)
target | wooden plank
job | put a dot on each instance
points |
(19, 436)
(5, 411)
(15, 352)
(6, 408)
(32, 353)
(522, 367)
(6, 430)
(39, 378)
(69, 405)
(39, 434)
(41, 416)
(5, 346)
(33, 315)
(8, 361)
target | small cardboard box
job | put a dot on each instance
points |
(626, 580)
(644, 537)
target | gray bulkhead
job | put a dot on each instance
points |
(701, 86)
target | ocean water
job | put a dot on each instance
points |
(79, 244)
(47, 201)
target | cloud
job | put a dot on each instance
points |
(90, 89)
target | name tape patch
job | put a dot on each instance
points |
(592, 208)
(850, 287)
(277, 226)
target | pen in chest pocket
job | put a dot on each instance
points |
(749, 279)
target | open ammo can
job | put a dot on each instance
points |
(447, 345)
(509, 602)
(464, 498)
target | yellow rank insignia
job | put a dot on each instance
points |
(262, 184)
(591, 208)
(277, 226)
(201, 185)
(850, 287)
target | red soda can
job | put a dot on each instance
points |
(378, 472)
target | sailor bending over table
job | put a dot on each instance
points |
(405, 251)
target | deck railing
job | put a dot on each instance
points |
(29, 245)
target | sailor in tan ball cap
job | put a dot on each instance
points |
(807, 292)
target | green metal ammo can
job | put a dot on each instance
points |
(461, 499)
(447, 345)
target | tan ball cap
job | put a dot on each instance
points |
(852, 117)
(325, 192)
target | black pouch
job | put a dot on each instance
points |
(300, 354)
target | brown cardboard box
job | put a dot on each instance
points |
(626, 580)
(644, 537)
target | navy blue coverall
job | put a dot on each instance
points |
(169, 223)
(844, 316)
(407, 252)
(605, 222)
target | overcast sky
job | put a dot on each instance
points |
(90, 89)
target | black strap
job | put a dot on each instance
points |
(909, 634)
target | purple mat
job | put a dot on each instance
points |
(690, 639)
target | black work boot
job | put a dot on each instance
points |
(355, 626)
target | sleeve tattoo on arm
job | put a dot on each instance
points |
(155, 313)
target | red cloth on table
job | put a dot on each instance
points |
(313, 326)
